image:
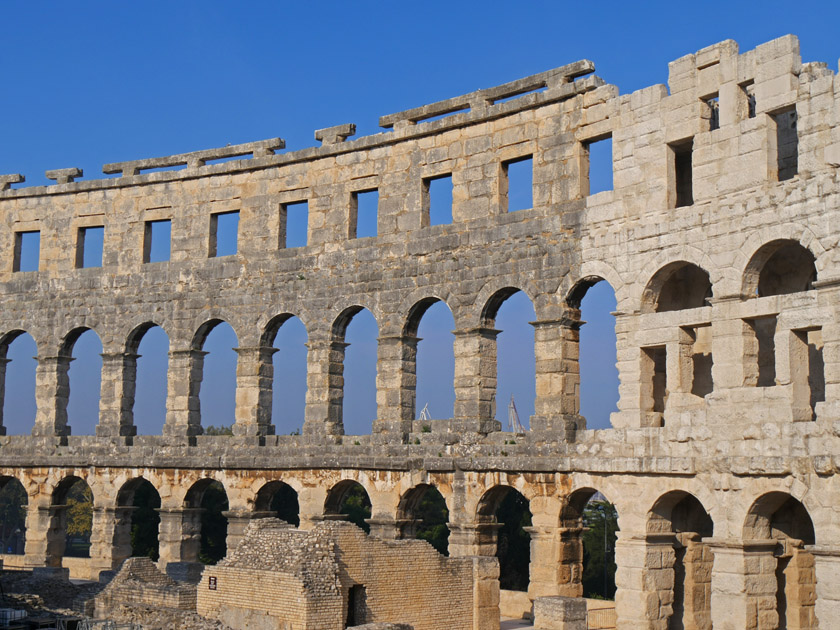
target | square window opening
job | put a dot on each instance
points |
(89, 245)
(787, 144)
(598, 156)
(294, 224)
(364, 213)
(437, 198)
(158, 241)
(27, 251)
(713, 111)
(224, 234)
(517, 186)
(682, 179)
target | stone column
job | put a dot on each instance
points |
(743, 584)
(827, 574)
(396, 386)
(388, 528)
(52, 391)
(45, 535)
(110, 538)
(570, 562)
(325, 388)
(645, 580)
(237, 523)
(473, 539)
(254, 380)
(557, 352)
(475, 380)
(179, 535)
(3, 362)
(545, 568)
(116, 398)
(183, 407)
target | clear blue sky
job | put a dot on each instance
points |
(95, 82)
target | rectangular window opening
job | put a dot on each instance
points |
(157, 243)
(224, 233)
(701, 361)
(89, 245)
(437, 199)
(294, 224)
(364, 213)
(599, 165)
(713, 111)
(761, 362)
(787, 144)
(748, 92)
(654, 384)
(27, 251)
(517, 186)
(683, 176)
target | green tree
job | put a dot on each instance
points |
(433, 517)
(514, 544)
(356, 505)
(600, 521)
(13, 502)
(79, 502)
(220, 430)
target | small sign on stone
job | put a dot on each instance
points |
(211, 582)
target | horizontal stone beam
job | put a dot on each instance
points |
(11, 178)
(196, 159)
(488, 96)
(64, 175)
(333, 135)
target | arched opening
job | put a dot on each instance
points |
(288, 404)
(589, 523)
(13, 504)
(431, 322)
(84, 376)
(785, 581)
(217, 385)
(348, 500)
(281, 500)
(355, 334)
(780, 267)
(210, 496)
(681, 514)
(592, 302)
(507, 513)
(510, 311)
(677, 286)
(144, 524)
(17, 382)
(72, 502)
(150, 344)
(424, 515)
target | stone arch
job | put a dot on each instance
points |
(509, 541)
(348, 500)
(680, 523)
(278, 499)
(205, 521)
(198, 374)
(423, 513)
(779, 528)
(779, 267)
(134, 374)
(338, 380)
(9, 367)
(66, 401)
(667, 257)
(14, 502)
(281, 365)
(597, 269)
(137, 521)
(71, 516)
(676, 286)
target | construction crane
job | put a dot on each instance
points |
(513, 418)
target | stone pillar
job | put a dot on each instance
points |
(827, 575)
(730, 341)
(388, 528)
(545, 567)
(396, 386)
(3, 362)
(570, 562)
(183, 407)
(254, 380)
(486, 596)
(237, 523)
(557, 352)
(743, 584)
(645, 580)
(45, 535)
(52, 391)
(325, 388)
(110, 538)
(473, 539)
(179, 535)
(116, 398)
(475, 380)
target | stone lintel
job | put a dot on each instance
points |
(12, 178)
(64, 175)
(334, 135)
